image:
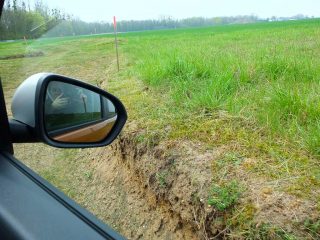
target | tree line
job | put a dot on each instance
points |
(20, 20)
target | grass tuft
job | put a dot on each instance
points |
(223, 197)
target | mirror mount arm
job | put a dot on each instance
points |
(22, 133)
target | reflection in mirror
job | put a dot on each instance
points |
(77, 115)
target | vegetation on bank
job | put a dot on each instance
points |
(252, 87)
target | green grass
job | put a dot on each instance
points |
(162, 178)
(223, 197)
(268, 73)
(313, 227)
(267, 231)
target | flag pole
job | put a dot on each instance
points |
(116, 39)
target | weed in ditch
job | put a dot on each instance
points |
(224, 196)
(162, 178)
(313, 227)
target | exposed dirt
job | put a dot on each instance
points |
(30, 54)
(130, 207)
(178, 182)
(278, 207)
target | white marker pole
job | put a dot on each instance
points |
(116, 40)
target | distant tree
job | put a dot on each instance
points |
(35, 20)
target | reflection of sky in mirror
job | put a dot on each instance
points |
(102, 10)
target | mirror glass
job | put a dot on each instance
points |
(77, 115)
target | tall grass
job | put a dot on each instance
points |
(266, 72)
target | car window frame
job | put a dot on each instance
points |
(5, 135)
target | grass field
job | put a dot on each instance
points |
(269, 75)
(252, 88)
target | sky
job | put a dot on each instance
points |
(104, 10)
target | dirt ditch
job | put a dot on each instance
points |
(166, 186)
(26, 55)
(162, 191)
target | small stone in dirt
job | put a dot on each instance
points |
(249, 163)
(157, 225)
(266, 191)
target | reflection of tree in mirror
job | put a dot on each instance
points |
(109, 110)
(61, 121)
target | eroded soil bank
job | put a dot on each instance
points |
(161, 191)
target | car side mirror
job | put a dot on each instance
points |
(65, 112)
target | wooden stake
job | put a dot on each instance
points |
(25, 40)
(116, 40)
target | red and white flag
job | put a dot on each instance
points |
(114, 23)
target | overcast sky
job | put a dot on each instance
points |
(103, 10)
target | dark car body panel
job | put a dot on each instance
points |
(31, 210)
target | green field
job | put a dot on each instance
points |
(268, 75)
(253, 89)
